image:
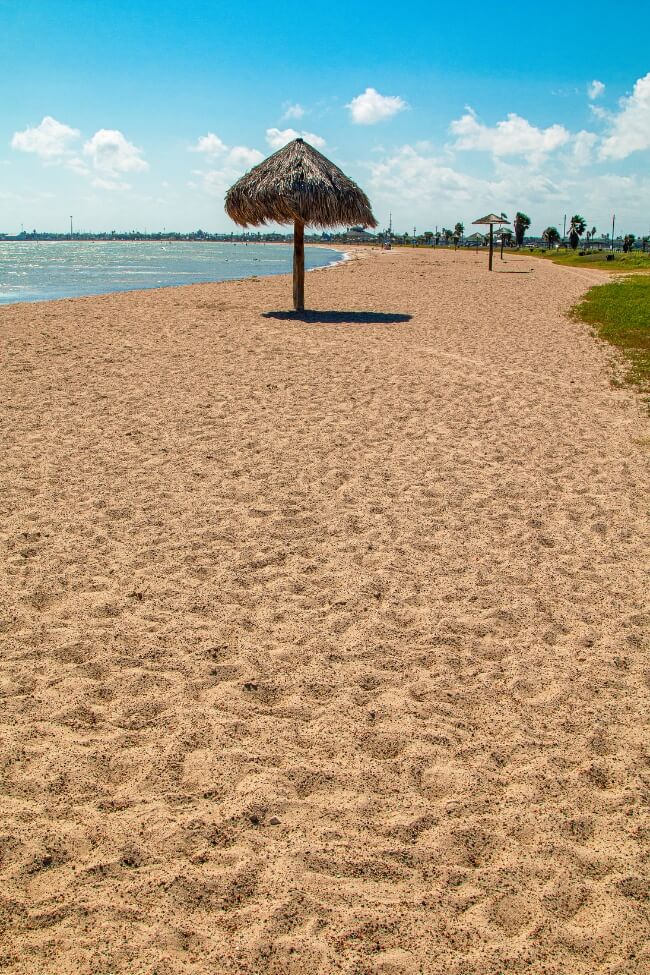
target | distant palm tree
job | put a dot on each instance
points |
(459, 230)
(577, 228)
(520, 225)
(628, 243)
(551, 235)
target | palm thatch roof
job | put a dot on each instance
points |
(298, 183)
(490, 218)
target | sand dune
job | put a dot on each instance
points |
(323, 642)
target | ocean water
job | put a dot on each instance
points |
(41, 270)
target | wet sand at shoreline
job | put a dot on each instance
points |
(324, 642)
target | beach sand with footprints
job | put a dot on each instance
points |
(324, 641)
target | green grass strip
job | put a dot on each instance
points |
(635, 261)
(620, 313)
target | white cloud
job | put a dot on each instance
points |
(514, 136)
(50, 140)
(77, 165)
(595, 89)
(210, 144)
(233, 162)
(419, 186)
(517, 184)
(629, 192)
(215, 182)
(277, 138)
(582, 146)
(371, 107)
(237, 161)
(630, 130)
(413, 176)
(100, 183)
(600, 113)
(241, 157)
(110, 152)
(411, 182)
(293, 111)
(316, 141)
(233, 157)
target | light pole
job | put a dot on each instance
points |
(70, 227)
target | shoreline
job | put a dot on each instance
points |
(345, 256)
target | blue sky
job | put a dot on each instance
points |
(139, 114)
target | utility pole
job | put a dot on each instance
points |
(564, 232)
(414, 236)
(613, 225)
(70, 227)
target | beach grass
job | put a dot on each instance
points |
(597, 260)
(620, 313)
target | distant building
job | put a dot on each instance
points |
(358, 235)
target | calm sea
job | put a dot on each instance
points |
(36, 271)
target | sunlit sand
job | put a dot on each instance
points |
(323, 639)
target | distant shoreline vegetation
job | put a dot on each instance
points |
(163, 237)
(351, 235)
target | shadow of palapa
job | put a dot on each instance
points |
(340, 317)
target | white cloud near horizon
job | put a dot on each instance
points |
(630, 128)
(418, 185)
(276, 138)
(513, 136)
(371, 107)
(417, 177)
(595, 90)
(50, 139)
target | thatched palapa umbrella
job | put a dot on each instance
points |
(298, 185)
(492, 219)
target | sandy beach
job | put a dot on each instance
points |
(324, 642)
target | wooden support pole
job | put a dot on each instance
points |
(299, 265)
(502, 242)
(491, 244)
